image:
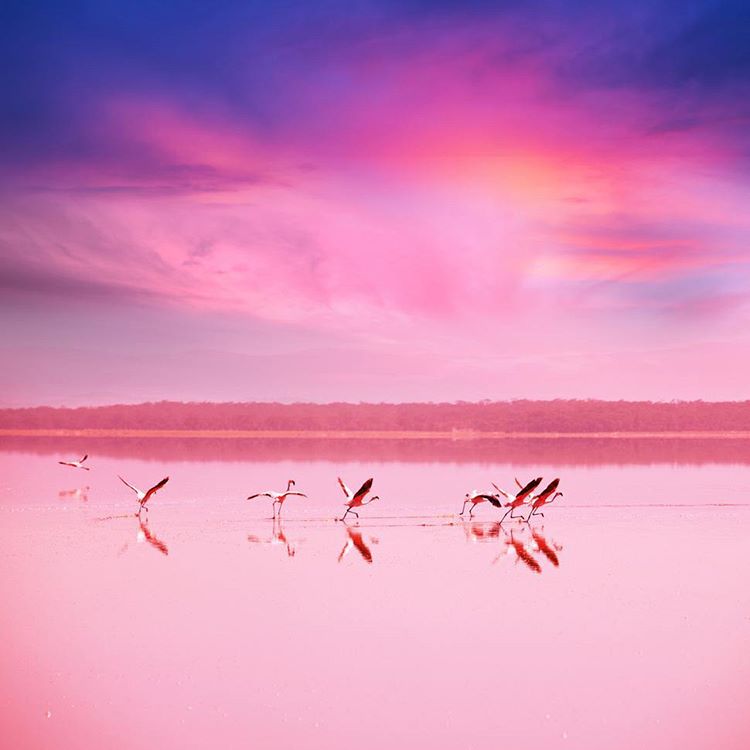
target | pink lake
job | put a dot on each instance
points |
(620, 620)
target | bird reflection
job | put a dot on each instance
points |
(82, 493)
(515, 546)
(549, 550)
(523, 554)
(524, 550)
(278, 537)
(354, 539)
(478, 531)
(145, 534)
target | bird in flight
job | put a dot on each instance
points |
(356, 499)
(76, 464)
(475, 498)
(278, 497)
(518, 499)
(144, 497)
(355, 540)
(543, 498)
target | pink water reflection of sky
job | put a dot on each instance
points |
(638, 637)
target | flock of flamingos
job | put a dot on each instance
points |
(509, 501)
(512, 501)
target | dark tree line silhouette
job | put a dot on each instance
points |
(563, 416)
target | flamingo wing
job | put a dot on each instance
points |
(363, 490)
(135, 489)
(153, 490)
(492, 499)
(347, 491)
(529, 488)
(84, 458)
(260, 494)
(502, 492)
(550, 488)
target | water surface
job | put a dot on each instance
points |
(620, 619)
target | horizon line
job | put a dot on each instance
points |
(481, 402)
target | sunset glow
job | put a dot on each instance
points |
(375, 201)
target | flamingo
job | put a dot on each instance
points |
(356, 499)
(355, 540)
(144, 497)
(278, 497)
(475, 498)
(543, 498)
(76, 464)
(517, 499)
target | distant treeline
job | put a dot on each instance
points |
(563, 416)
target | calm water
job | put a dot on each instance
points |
(613, 622)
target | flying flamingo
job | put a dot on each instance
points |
(144, 497)
(517, 499)
(543, 498)
(475, 498)
(76, 464)
(356, 499)
(278, 497)
(355, 540)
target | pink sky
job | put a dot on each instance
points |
(435, 212)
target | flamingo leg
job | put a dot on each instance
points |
(506, 513)
(344, 516)
(463, 508)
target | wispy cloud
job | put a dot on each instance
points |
(453, 175)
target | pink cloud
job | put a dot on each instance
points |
(451, 199)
